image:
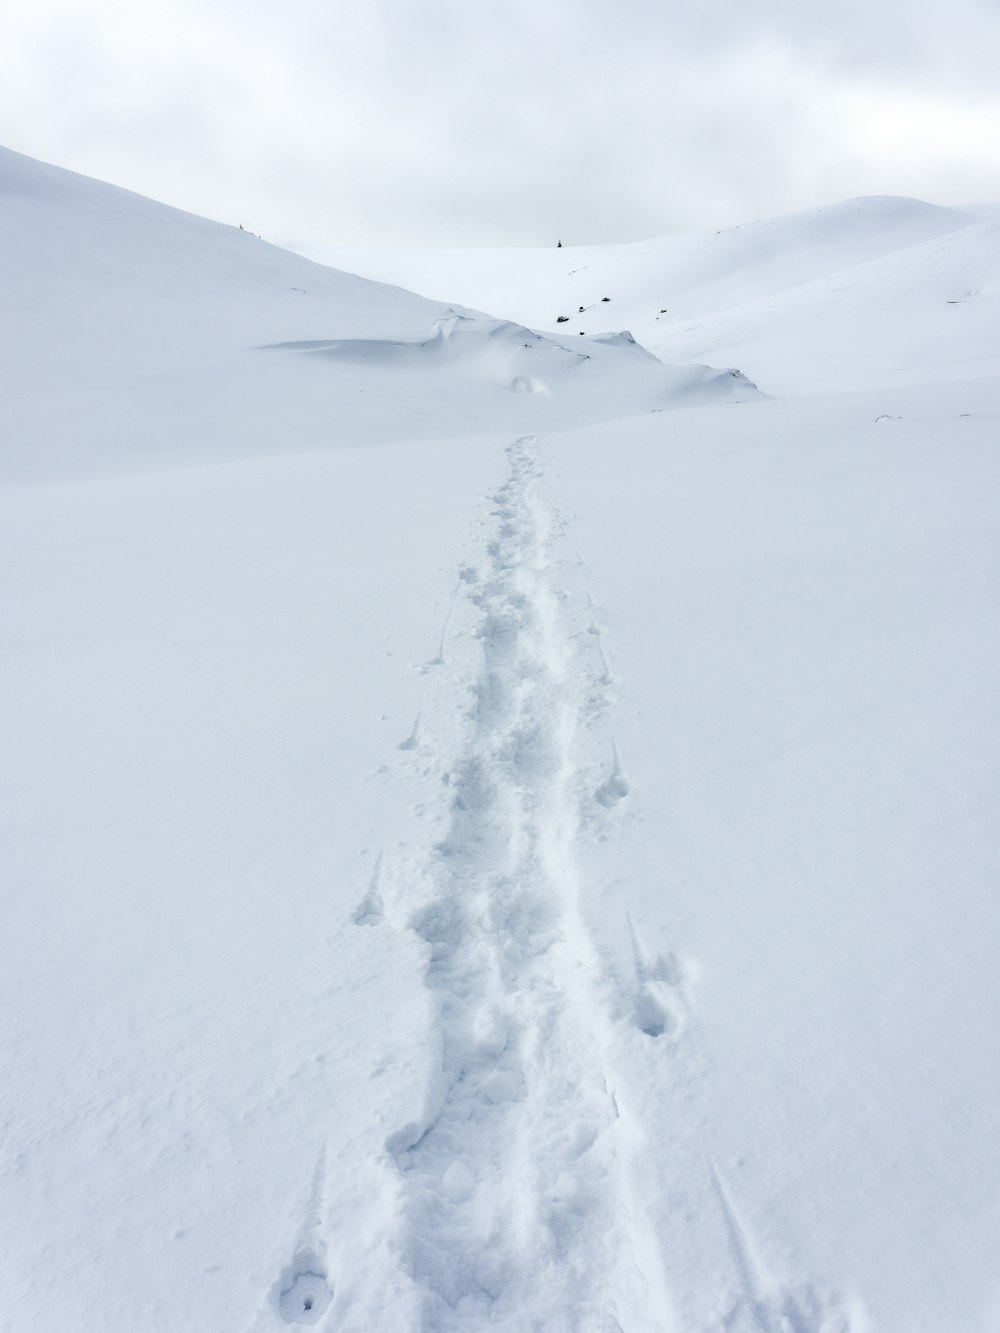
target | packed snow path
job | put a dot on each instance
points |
(512, 1189)
(517, 1199)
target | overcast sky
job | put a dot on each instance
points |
(457, 122)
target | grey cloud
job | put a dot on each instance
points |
(452, 122)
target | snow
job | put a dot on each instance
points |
(499, 831)
(869, 293)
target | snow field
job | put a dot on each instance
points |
(805, 720)
(517, 1193)
(498, 831)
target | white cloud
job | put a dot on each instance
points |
(456, 123)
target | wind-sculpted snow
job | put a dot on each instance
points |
(479, 350)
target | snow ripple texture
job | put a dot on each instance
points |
(512, 1197)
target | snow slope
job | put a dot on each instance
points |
(503, 854)
(126, 293)
(861, 294)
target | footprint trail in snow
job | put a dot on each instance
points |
(513, 1199)
(522, 1199)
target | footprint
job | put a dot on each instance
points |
(303, 1292)
(305, 1299)
(441, 924)
(658, 1008)
(761, 1303)
(651, 1017)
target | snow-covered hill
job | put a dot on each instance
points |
(861, 294)
(160, 331)
(481, 849)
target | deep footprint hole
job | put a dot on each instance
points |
(305, 1299)
(651, 1018)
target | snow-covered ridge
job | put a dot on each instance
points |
(147, 307)
(927, 312)
(694, 270)
(711, 295)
